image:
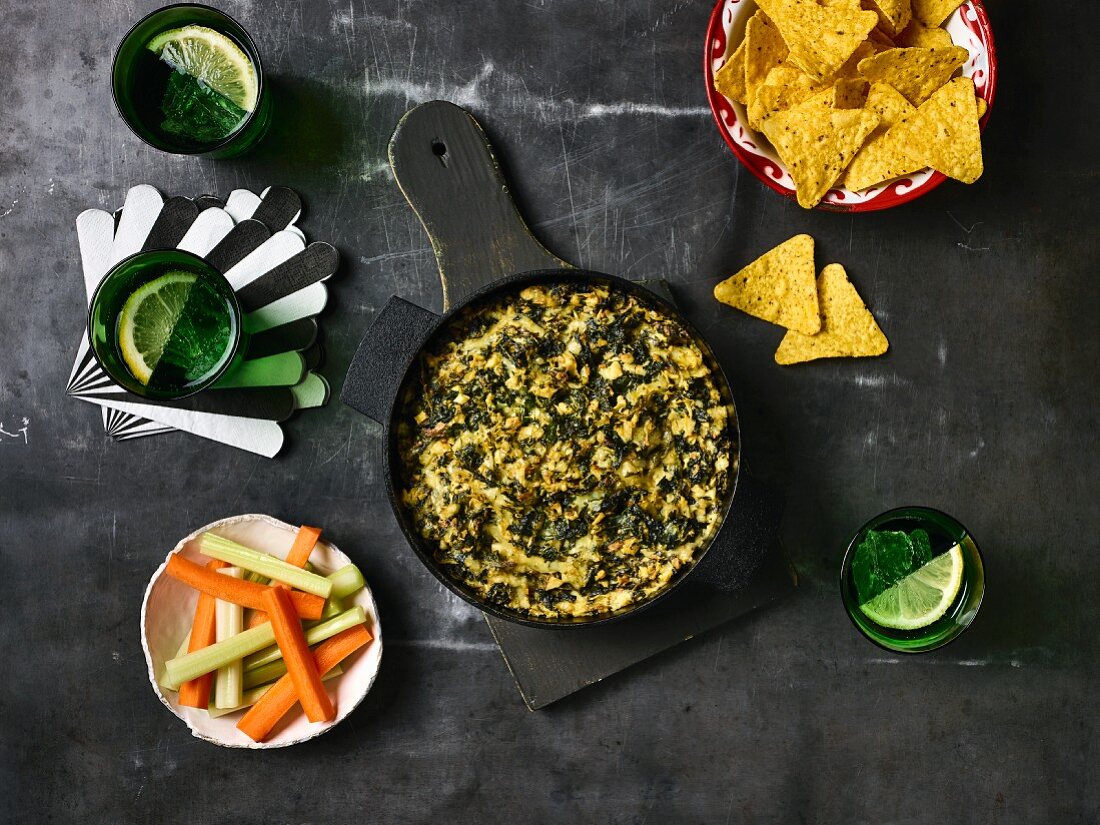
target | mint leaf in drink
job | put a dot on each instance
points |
(195, 112)
(922, 548)
(882, 559)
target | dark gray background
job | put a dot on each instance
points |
(986, 406)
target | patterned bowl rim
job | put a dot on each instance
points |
(971, 15)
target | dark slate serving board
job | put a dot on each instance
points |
(440, 157)
(550, 664)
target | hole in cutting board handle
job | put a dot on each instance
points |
(439, 149)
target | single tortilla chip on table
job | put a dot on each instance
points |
(934, 12)
(893, 15)
(917, 35)
(943, 133)
(820, 38)
(882, 158)
(730, 79)
(916, 73)
(779, 287)
(816, 143)
(848, 328)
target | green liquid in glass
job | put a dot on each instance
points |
(184, 323)
(894, 545)
(175, 112)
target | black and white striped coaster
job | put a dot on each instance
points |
(279, 279)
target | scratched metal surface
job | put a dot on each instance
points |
(986, 407)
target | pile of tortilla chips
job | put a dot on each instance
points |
(824, 316)
(857, 92)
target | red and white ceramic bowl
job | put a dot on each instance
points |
(969, 27)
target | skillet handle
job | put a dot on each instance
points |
(390, 343)
(446, 169)
(746, 538)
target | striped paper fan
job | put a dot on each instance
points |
(279, 280)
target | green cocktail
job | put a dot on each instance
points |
(164, 324)
(912, 579)
(187, 79)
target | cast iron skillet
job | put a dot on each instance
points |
(445, 167)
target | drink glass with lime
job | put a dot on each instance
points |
(187, 79)
(912, 579)
(164, 324)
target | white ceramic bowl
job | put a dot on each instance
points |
(169, 607)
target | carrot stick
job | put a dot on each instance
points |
(304, 542)
(263, 716)
(238, 591)
(299, 663)
(196, 693)
(303, 545)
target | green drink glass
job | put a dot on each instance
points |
(912, 579)
(164, 324)
(187, 79)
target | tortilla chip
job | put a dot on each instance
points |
(851, 67)
(934, 12)
(893, 15)
(882, 158)
(983, 107)
(730, 79)
(817, 143)
(778, 287)
(848, 330)
(887, 102)
(764, 51)
(849, 93)
(820, 38)
(880, 41)
(917, 35)
(782, 88)
(916, 73)
(943, 133)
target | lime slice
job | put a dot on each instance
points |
(148, 318)
(211, 57)
(921, 597)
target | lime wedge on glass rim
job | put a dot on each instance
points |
(211, 57)
(148, 318)
(920, 598)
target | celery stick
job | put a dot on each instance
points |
(228, 622)
(345, 581)
(264, 563)
(315, 634)
(204, 660)
(333, 607)
(264, 673)
(186, 643)
(251, 697)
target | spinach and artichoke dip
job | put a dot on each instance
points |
(565, 450)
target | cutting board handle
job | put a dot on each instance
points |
(445, 167)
